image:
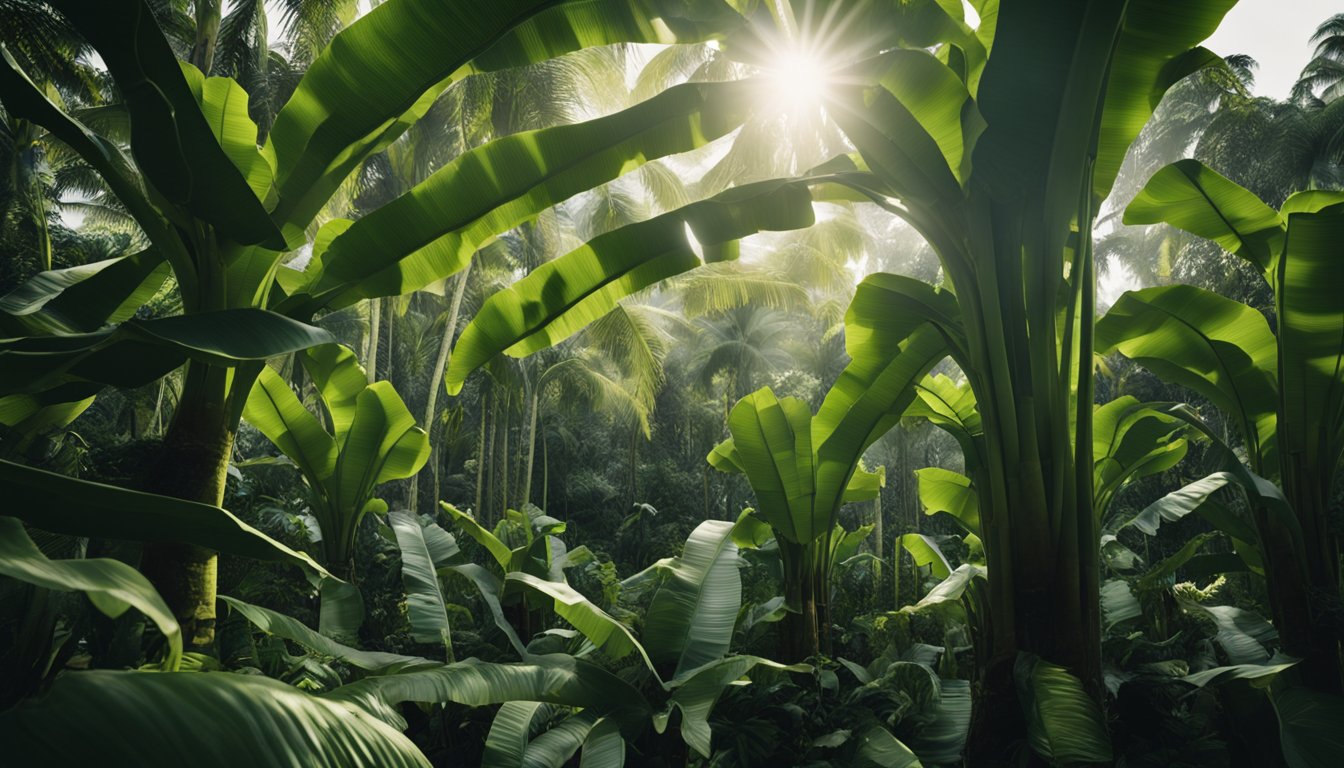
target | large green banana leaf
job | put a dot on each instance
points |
(1189, 195)
(1131, 440)
(772, 439)
(510, 745)
(140, 351)
(467, 522)
(896, 330)
(207, 719)
(376, 440)
(83, 298)
(942, 490)
(690, 619)
(76, 507)
(174, 145)
(112, 586)
(915, 128)
(432, 231)
(425, 604)
(562, 296)
(925, 552)
(273, 408)
(951, 406)
(383, 72)
(696, 694)
(598, 626)
(556, 678)
(1220, 348)
(1064, 724)
(1309, 726)
(289, 628)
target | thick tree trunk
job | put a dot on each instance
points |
(193, 465)
(207, 34)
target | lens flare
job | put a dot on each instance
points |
(798, 79)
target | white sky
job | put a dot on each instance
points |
(1276, 34)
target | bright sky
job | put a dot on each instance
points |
(1276, 34)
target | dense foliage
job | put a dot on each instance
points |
(667, 382)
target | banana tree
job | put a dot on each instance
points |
(802, 468)
(225, 242)
(373, 439)
(998, 144)
(1281, 387)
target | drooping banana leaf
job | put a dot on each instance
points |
(83, 298)
(432, 231)
(1189, 195)
(603, 631)
(552, 678)
(497, 549)
(1131, 440)
(289, 628)
(140, 718)
(562, 296)
(696, 694)
(925, 552)
(112, 586)
(942, 490)
(896, 330)
(1220, 348)
(140, 351)
(384, 71)
(75, 507)
(174, 145)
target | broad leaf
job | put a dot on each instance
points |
(563, 296)
(1064, 724)
(280, 625)
(1220, 348)
(690, 619)
(138, 718)
(425, 603)
(140, 351)
(112, 586)
(66, 505)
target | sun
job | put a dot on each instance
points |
(798, 79)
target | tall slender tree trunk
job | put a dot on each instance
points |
(371, 349)
(505, 465)
(488, 462)
(532, 407)
(430, 421)
(545, 472)
(391, 305)
(481, 457)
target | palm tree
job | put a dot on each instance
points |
(1323, 77)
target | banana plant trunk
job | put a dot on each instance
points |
(800, 631)
(192, 465)
(1035, 392)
